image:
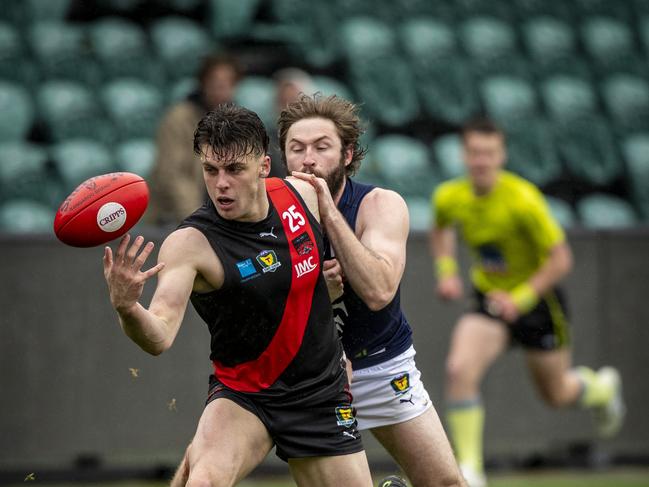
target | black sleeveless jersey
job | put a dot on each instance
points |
(271, 322)
(369, 337)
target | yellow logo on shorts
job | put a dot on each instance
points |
(401, 384)
(345, 415)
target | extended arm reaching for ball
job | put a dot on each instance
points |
(153, 329)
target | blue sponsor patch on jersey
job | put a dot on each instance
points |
(246, 268)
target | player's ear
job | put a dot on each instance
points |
(264, 167)
(349, 154)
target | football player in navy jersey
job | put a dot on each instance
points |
(250, 262)
(368, 229)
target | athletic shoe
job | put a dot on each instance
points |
(610, 416)
(392, 481)
(473, 477)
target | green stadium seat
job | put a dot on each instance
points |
(15, 65)
(21, 12)
(636, 153)
(444, 79)
(122, 49)
(181, 89)
(448, 153)
(604, 211)
(37, 10)
(387, 89)
(367, 38)
(532, 152)
(568, 97)
(605, 8)
(24, 216)
(643, 28)
(379, 9)
(559, 9)
(17, 111)
(79, 159)
(121, 7)
(588, 148)
(24, 173)
(61, 51)
(181, 44)
(420, 212)
(509, 100)
(184, 7)
(381, 78)
(443, 11)
(491, 46)
(229, 19)
(626, 98)
(306, 27)
(133, 106)
(136, 156)
(552, 47)
(500, 9)
(368, 171)
(562, 211)
(404, 165)
(610, 45)
(70, 110)
(331, 86)
(258, 94)
(448, 90)
(425, 39)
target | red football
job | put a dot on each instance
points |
(101, 209)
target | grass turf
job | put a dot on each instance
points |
(613, 478)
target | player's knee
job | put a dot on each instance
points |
(458, 372)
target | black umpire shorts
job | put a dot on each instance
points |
(545, 327)
(318, 424)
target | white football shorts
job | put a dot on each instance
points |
(389, 393)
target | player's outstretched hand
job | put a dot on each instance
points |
(123, 272)
(450, 288)
(325, 200)
(333, 275)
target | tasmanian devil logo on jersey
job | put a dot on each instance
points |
(268, 261)
(303, 244)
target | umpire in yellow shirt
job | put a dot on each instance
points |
(519, 255)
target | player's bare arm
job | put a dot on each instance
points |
(443, 243)
(154, 329)
(374, 258)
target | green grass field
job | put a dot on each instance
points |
(612, 478)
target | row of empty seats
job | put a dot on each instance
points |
(42, 176)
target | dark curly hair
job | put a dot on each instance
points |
(231, 131)
(343, 114)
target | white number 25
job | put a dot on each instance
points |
(295, 218)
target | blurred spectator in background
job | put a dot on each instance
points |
(289, 83)
(177, 186)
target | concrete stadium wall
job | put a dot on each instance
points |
(66, 388)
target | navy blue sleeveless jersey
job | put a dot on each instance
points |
(271, 323)
(369, 337)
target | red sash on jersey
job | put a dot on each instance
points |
(261, 373)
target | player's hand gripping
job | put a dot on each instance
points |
(500, 305)
(333, 275)
(325, 200)
(123, 273)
